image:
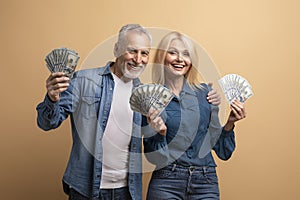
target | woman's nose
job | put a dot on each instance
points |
(179, 57)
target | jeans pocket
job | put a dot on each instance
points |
(211, 177)
(74, 195)
(205, 178)
(161, 174)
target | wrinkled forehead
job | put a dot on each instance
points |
(135, 39)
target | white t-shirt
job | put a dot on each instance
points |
(116, 137)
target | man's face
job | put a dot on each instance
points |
(132, 55)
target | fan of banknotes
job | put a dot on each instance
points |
(62, 60)
(150, 96)
(235, 87)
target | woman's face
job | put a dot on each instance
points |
(178, 60)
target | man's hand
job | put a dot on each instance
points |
(56, 84)
(213, 97)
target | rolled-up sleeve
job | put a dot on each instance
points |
(225, 145)
(155, 146)
(50, 114)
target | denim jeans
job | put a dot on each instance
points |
(106, 194)
(184, 183)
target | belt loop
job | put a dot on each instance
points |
(174, 166)
(204, 170)
(191, 169)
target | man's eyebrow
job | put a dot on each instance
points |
(142, 48)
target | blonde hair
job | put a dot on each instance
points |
(193, 76)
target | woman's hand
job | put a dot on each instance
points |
(237, 113)
(156, 122)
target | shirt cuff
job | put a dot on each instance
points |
(160, 138)
(228, 133)
(49, 103)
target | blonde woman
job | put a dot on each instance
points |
(180, 141)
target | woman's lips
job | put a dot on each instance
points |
(178, 67)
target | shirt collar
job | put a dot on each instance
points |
(186, 89)
(106, 70)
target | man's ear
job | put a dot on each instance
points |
(116, 50)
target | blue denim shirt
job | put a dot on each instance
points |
(88, 100)
(193, 130)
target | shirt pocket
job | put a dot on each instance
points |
(89, 106)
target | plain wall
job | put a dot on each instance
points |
(258, 39)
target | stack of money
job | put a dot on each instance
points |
(235, 87)
(150, 96)
(62, 60)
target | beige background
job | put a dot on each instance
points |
(258, 39)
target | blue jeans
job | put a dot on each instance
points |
(184, 183)
(106, 194)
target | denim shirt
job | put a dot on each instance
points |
(193, 130)
(88, 101)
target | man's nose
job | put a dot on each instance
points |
(138, 57)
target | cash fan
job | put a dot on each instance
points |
(150, 96)
(235, 87)
(62, 60)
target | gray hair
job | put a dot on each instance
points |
(132, 27)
